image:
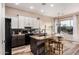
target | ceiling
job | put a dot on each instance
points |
(57, 9)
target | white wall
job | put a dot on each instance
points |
(75, 28)
(2, 29)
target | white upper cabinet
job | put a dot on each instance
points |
(31, 22)
(14, 22)
(21, 21)
(26, 23)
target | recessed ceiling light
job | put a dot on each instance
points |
(31, 7)
(16, 3)
(42, 10)
(51, 5)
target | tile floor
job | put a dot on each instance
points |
(22, 50)
(70, 48)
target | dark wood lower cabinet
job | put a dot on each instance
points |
(18, 40)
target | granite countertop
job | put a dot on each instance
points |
(18, 34)
(46, 37)
(40, 37)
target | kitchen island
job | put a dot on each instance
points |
(38, 44)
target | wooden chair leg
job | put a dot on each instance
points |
(59, 49)
(62, 48)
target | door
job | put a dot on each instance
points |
(7, 36)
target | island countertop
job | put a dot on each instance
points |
(37, 37)
(40, 37)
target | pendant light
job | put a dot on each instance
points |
(18, 23)
(59, 24)
(38, 18)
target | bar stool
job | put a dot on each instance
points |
(56, 47)
(48, 48)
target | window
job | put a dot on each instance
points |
(66, 26)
